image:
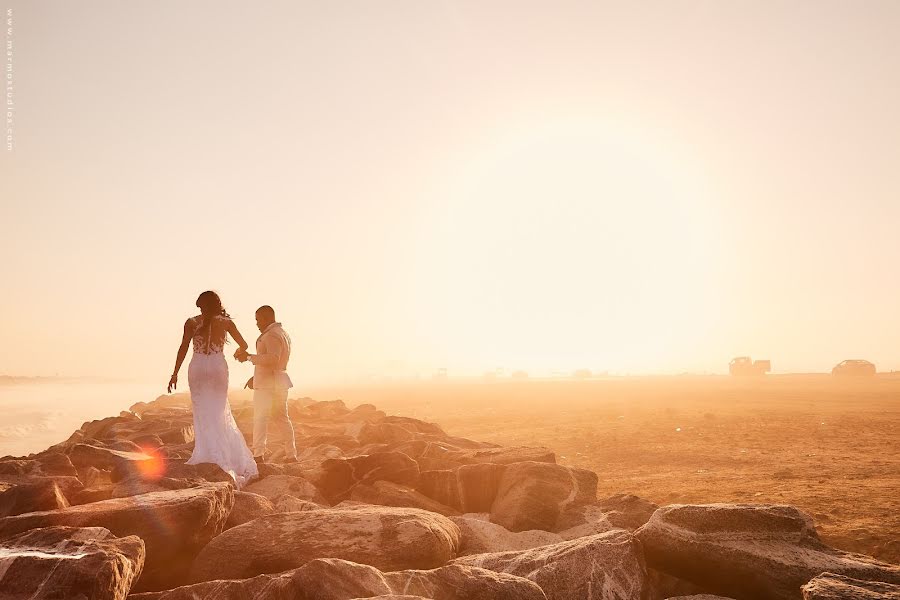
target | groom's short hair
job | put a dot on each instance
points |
(266, 311)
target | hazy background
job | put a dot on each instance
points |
(632, 187)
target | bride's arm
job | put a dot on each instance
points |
(182, 352)
(242, 344)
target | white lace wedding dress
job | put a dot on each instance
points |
(217, 438)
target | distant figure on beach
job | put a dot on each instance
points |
(217, 438)
(270, 384)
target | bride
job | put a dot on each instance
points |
(216, 436)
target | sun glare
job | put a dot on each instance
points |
(594, 240)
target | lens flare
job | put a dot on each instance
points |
(154, 467)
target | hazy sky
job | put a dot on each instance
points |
(624, 186)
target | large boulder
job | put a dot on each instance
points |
(463, 582)
(69, 562)
(173, 524)
(248, 506)
(388, 538)
(830, 586)
(86, 455)
(336, 477)
(532, 495)
(42, 494)
(627, 511)
(583, 520)
(468, 488)
(479, 536)
(759, 552)
(388, 493)
(608, 565)
(275, 486)
(282, 586)
(56, 463)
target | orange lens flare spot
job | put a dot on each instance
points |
(154, 467)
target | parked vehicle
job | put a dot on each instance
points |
(856, 367)
(744, 365)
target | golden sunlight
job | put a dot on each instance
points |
(578, 243)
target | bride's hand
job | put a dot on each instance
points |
(173, 383)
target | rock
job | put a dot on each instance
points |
(581, 521)
(287, 503)
(383, 433)
(387, 493)
(56, 463)
(609, 564)
(699, 597)
(627, 511)
(478, 537)
(337, 477)
(176, 469)
(135, 487)
(748, 551)
(93, 477)
(395, 597)
(506, 456)
(320, 411)
(100, 429)
(248, 506)
(335, 579)
(275, 486)
(663, 585)
(18, 467)
(469, 488)
(30, 497)
(387, 538)
(829, 586)
(283, 586)
(173, 524)
(88, 495)
(69, 562)
(85, 455)
(463, 582)
(531, 495)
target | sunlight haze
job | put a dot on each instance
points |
(626, 187)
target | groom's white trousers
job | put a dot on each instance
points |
(270, 407)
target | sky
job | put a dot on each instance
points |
(631, 187)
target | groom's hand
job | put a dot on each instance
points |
(249, 384)
(241, 355)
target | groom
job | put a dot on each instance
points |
(270, 383)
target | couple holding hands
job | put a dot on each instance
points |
(217, 438)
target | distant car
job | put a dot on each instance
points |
(744, 365)
(856, 367)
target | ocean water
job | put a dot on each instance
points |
(34, 416)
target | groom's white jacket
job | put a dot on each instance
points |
(273, 350)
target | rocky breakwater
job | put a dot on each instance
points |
(380, 506)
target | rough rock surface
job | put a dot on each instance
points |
(393, 480)
(532, 495)
(478, 536)
(748, 551)
(274, 486)
(829, 586)
(388, 493)
(467, 488)
(608, 565)
(42, 494)
(69, 562)
(463, 582)
(388, 538)
(336, 477)
(173, 524)
(248, 506)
